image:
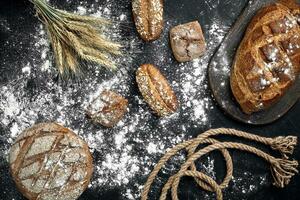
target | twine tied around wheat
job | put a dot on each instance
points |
(282, 169)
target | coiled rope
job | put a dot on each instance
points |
(282, 169)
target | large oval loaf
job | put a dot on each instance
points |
(267, 62)
(48, 161)
(156, 90)
(148, 18)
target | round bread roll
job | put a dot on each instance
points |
(49, 162)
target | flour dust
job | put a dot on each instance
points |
(124, 155)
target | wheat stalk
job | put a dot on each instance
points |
(75, 37)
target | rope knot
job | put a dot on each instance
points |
(282, 171)
(285, 145)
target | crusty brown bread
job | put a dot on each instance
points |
(48, 161)
(267, 61)
(148, 18)
(156, 90)
(108, 108)
(187, 41)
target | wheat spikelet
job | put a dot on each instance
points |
(57, 52)
(88, 53)
(91, 38)
(71, 60)
(86, 19)
(76, 37)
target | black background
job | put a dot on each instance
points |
(20, 17)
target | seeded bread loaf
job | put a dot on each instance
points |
(49, 162)
(148, 18)
(156, 90)
(268, 59)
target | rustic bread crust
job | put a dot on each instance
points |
(108, 108)
(156, 90)
(148, 18)
(187, 41)
(44, 165)
(267, 61)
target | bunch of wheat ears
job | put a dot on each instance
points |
(74, 37)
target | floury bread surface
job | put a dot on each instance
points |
(108, 108)
(49, 162)
(267, 62)
(156, 90)
(187, 41)
(148, 18)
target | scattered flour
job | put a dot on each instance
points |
(81, 10)
(127, 152)
(122, 17)
(26, 69)
(238, 183)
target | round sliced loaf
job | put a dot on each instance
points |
(49, 162)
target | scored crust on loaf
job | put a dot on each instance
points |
(268, 59)
(156, 90)
(148, 18)
(48, 161)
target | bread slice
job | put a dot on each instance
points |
(267, 61)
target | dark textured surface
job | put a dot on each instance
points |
(19, 15)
